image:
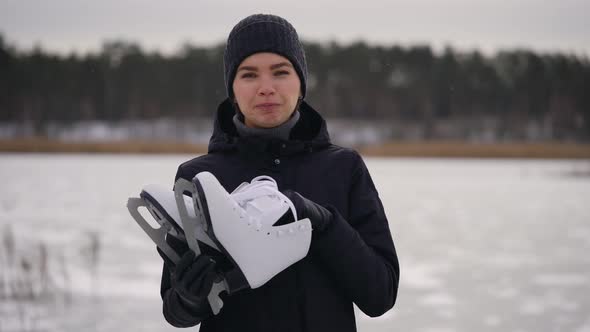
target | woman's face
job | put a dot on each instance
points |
(266, 89)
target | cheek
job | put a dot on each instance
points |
(296, 88)
(291, 89)
(243, 94)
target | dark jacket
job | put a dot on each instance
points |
(352, 261)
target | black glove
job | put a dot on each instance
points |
(319, 216)
(193, 277)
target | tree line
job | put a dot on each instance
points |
(399, 85)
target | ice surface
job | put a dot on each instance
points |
(484, 245)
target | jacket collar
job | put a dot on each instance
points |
(309, 133)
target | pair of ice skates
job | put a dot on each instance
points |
(240, 225)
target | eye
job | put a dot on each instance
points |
(248, 75)
(282, 72)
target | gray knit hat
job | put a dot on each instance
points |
(263, 33)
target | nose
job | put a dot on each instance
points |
(266, 87)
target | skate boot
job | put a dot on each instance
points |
(242, 225)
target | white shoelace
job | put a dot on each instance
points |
(260, 186)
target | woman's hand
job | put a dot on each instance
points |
(318, 215)
(193, 277)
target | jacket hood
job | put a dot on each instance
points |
(309, 133)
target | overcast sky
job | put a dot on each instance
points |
(488, 25)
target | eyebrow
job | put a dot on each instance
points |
(272, 67)
(281, 64)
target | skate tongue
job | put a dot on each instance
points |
(240, 187)
(262, 200)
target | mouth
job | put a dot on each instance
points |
(267, 106)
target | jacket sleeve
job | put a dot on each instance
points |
(359, 252)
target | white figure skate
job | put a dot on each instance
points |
(242, 226)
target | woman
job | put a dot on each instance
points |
(265, 127)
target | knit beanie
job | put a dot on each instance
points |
(263, 33)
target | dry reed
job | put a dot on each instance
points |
(445, 149)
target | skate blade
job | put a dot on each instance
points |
(192, 226)
(158, 235)
(162, 216)
(167, 211)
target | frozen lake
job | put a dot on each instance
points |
(484, 245)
